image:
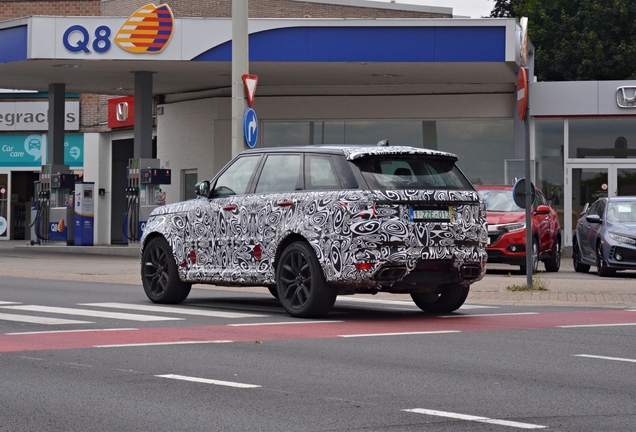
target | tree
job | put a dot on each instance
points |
(581, 39)
(504, 8)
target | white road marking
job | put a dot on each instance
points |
(399, 333)
(173, 309)
(209, 381)
(597, 325)
(39, 320)
(160, 344)
(401, 302)
(606, 358)
(490, 315)
(8, 303)
(475, 418)
(283, 323)
(91, 313)
(69, 331)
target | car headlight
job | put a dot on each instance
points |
(623, 239)
(516, 226)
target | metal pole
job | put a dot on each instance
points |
(529, 257)
(240, 66)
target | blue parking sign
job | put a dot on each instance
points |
(250, 127)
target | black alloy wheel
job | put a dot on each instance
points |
(302, 289)
(601, 264)
(579, 266)
(553, 263)
(159, 274)
(535, 258)
(452, 298)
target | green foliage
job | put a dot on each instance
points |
(505, 8)
(582, 39)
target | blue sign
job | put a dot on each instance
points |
(30, 150)
(250, 127)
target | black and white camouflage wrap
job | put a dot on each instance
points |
(234, 240)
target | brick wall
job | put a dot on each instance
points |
(263, 9)
(20, 9)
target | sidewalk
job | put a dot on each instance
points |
(120, 265)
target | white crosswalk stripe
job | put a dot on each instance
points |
(181, 310)
(90, 313)
(39, 320)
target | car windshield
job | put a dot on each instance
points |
(499, 200)
(411, 172)
(622, 211)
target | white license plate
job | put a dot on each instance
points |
(432, 215)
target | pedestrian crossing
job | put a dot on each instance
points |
(56, 316)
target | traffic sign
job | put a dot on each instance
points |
(250, 127)
(522, 94)
(250, 82)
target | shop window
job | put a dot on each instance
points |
(602, 138)
(549, 162)
(483, 146)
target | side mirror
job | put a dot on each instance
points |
(202, 189)
(542, 209)
(593, 218)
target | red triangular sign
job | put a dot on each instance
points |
(250, 82)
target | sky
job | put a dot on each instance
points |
(471, 8)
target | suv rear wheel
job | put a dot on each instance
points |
(451, 299)
(301, 285)
(159, 274)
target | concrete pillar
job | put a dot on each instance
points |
(55, 139)
(240, 66)
(143, 115)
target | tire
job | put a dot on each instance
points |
(535, 258)
(553, 264)
(601, 265)
(159, 274)
(579, 267)
(301, 285)
(451, 299)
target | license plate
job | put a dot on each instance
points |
(433, 215)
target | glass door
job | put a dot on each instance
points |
(625, 181)
(588, 182)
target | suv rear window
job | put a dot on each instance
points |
(411, 172)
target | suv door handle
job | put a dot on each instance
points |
(229, 207)
(285, 203)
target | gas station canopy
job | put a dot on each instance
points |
(290, 56)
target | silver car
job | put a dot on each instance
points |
(605, 236)
(310, 223)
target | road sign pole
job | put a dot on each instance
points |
(529, 193)
(240, 66)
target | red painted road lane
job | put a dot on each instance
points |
(309, 330)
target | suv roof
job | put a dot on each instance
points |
(354, 151)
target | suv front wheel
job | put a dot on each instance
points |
(301, 285)
(451, 299)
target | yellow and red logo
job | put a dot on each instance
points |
(148, 30)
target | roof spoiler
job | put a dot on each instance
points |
(383, 143)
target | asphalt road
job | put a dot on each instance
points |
(229, 360)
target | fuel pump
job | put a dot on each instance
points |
(62, 213)
(143, 195)
(40, 219)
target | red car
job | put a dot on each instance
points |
(507, 230)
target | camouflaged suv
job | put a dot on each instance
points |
(310, 223)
